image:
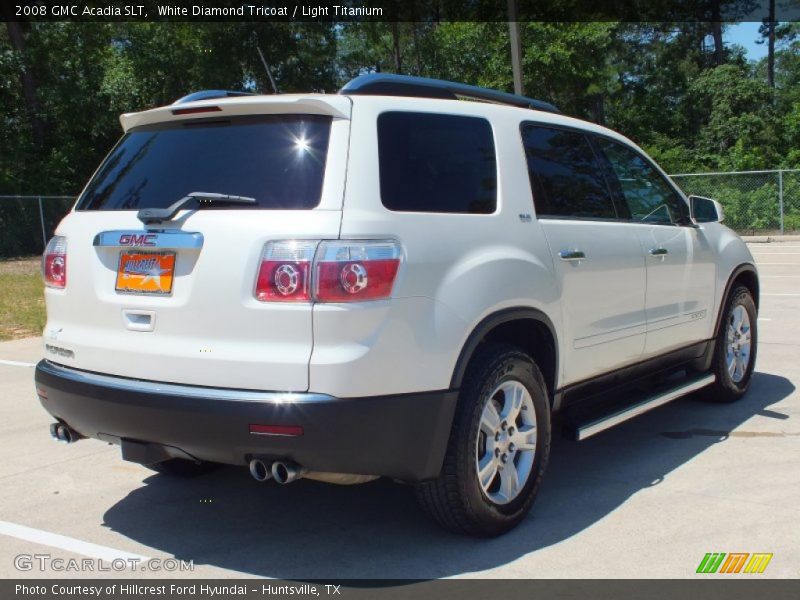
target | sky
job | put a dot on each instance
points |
(745, 35)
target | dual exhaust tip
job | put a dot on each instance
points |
(282, 472)
(64, 433)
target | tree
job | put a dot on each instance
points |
(739, 123)
(28, 79)
(76, 78)
(63, 85)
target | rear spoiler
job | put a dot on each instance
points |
(339, 107)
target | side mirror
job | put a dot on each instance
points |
(706, 210)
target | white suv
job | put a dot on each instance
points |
(385, 282)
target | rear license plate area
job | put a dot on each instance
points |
(149, 273)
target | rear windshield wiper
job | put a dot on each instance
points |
(156, 215)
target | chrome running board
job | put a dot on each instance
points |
(590, 428)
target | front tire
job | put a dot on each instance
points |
(735, 349)
(498, 448)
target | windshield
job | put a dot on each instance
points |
(278, 159)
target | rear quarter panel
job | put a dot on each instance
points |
(457, 268)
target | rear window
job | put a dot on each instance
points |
(436, 163)
(278, 159)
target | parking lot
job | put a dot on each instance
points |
(646, 499)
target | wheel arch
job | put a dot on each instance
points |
(529, 329)
(746, 275)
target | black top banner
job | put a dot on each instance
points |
(402, 10)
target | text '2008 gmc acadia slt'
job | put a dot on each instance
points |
(384, 282)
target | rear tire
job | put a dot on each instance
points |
(488, 483)
(735, 348)
(179, 467)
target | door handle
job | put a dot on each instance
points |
(659, 252)
(572, 255)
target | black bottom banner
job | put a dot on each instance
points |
(461, 589)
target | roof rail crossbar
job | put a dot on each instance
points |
(210, 95)
(386, 84)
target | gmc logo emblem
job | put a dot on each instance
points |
(131, 239)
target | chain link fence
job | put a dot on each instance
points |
(27, 222)
(755, 202)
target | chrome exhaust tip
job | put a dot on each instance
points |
(260, 470)
(64, 433)
(287, 472)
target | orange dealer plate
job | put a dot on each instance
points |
(146, 272)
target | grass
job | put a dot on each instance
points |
(21, 298)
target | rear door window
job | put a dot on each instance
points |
(277, 159)
(436, 163)
(566, 177)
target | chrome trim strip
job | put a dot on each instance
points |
(184, 391)
(145, 239)
(590, 429)
(609, 336)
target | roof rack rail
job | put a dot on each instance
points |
(210, 95)
(385, 84)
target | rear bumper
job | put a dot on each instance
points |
(401, 436)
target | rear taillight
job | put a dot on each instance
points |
(285, 271)
(336, 271)
(54, 262)
(350, 271)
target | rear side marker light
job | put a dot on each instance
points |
(288, 430)
(54, 263)
(194, 111)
